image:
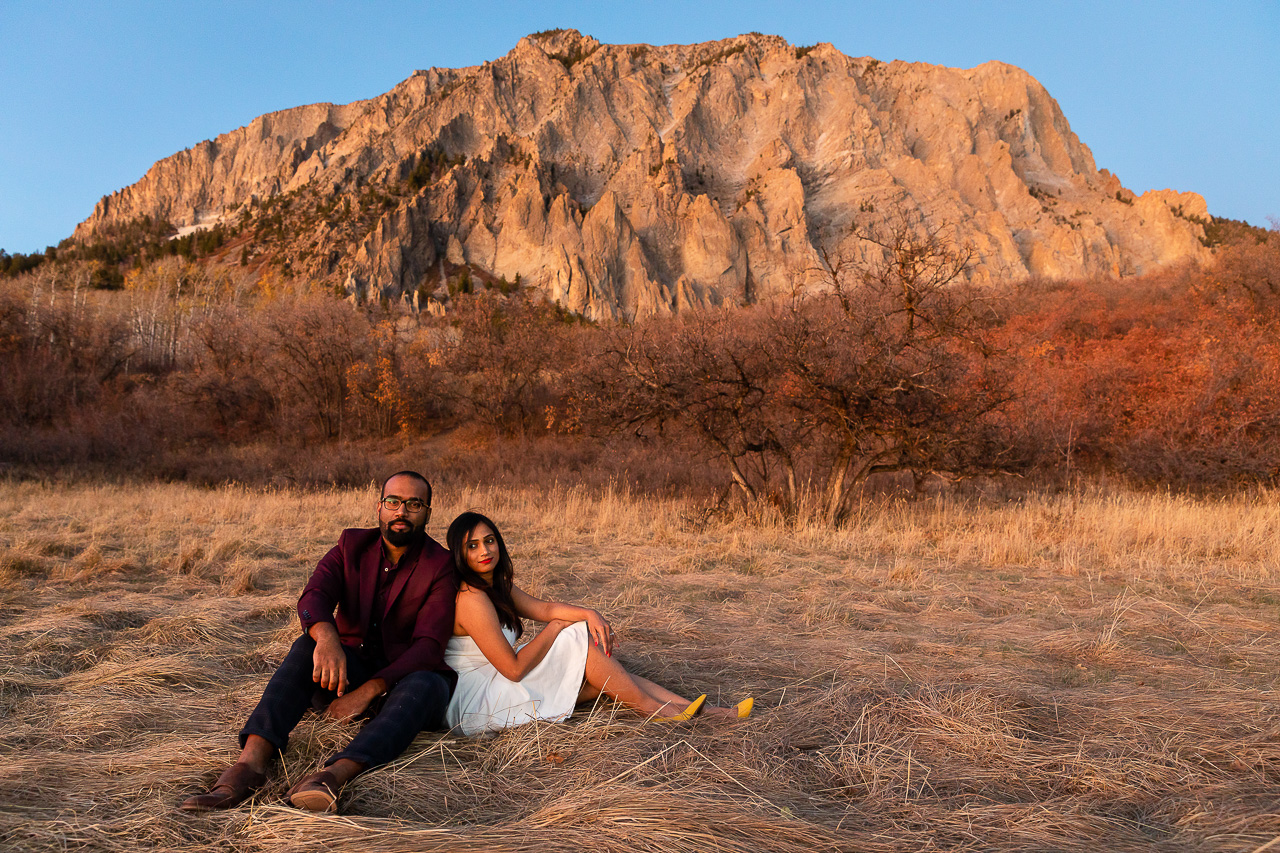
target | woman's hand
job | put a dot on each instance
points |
(600, 631)
(547, 611)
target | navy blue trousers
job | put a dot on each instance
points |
(416, 702)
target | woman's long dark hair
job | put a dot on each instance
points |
(499, 591)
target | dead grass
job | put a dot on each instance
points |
(1081, 672)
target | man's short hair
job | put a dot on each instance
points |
(411, 474)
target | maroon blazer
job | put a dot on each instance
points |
(418, 619)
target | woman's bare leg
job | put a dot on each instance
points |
(662, 694)
(657, 691)
(605, 675)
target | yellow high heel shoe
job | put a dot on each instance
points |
(744, 707)
(687, 714)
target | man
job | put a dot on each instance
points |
(393, 589)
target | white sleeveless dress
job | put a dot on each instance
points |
(487, 701)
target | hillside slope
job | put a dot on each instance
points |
(627, 180)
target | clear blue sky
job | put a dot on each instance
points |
(1167, 94)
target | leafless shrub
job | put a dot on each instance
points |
(316, 341)
(501, 362)
(889, 371)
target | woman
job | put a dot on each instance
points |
(570, 661)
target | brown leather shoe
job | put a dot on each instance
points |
(316, 793)
(236, 784)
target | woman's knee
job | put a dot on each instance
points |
(602, 669)
(597, 656)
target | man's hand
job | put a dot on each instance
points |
(354, 703)
(601, 633)
(329, 668)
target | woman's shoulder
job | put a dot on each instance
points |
(473, 600)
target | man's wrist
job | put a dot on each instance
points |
(323, 632)
(375, 687)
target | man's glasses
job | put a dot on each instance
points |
(411, 505)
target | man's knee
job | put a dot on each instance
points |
(424, 694)
(285, 698)
(424, 686)
(295, 671)
(301, 656)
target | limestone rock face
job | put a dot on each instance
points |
(629, 180)
(203, 183)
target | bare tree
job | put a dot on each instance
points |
(898, 374)
(58, 349)
(316, 341)
(887, 370)
(225, 387)
(708, 376)
(499, 360)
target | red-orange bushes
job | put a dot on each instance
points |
(1171, 379)
(315, 342)
(1152, 381)
(808, 399)
(504, 364)
(1250, 272)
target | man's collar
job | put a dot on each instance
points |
(410, 555)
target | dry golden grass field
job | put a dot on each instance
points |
(1066, 673)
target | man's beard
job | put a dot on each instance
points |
(399, 538)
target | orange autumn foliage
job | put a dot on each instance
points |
(1156, 379)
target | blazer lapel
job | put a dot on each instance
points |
(368, 584)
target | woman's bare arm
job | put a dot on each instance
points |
(477, 618)
(531, 607)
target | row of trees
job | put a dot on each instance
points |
(118, 250)
(892, 366)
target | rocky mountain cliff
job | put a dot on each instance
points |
(627, 180)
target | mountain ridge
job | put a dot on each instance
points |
(628, 180)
